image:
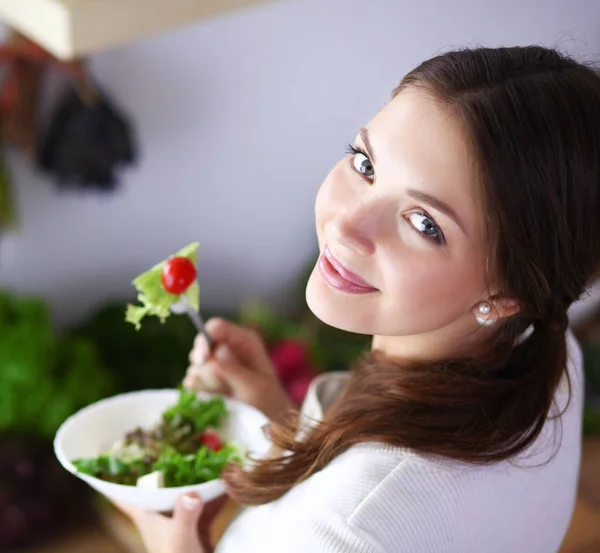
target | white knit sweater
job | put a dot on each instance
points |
(380, 499)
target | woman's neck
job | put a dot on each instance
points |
(443, 343)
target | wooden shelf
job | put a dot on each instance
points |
(74, 28)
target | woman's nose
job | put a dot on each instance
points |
(357, 229)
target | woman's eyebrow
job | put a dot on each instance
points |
(436, 203)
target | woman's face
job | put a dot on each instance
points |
(400, 228)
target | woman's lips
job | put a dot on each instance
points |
(336, 275)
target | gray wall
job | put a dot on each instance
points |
(239, 120)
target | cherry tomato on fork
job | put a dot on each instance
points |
(177, 275)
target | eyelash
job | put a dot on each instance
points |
(438, 240)
(354, 150)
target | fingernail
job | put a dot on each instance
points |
(190, 502)
(223, 354)
(199, 356)
(210, 324)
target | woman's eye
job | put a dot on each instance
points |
(427, 226)
(362, 164)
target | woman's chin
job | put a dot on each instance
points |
(331, 308)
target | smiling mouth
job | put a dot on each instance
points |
(337, 276)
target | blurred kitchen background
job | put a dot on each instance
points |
(235, 119)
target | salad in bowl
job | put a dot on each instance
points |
(147, 448)
(183, 449)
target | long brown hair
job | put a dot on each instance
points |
(533, 119)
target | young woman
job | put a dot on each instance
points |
(458, 230)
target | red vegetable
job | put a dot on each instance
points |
(210, 440)
(298, 387)
(178, 274)
(290, 359)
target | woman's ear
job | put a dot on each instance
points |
(495, 308)
(505, 307)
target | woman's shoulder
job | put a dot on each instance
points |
(380, 498)
(403, 499)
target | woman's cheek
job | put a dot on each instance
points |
(421, 282)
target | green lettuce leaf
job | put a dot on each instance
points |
(203, 466)
(113, 469)
(201, 413)
(154, 299)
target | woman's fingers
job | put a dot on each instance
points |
(223, 372)
(184, 532)
(177, 533)
(205, 378)
(200, 352)
(244, 343)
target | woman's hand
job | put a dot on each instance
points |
(240, 366)
(187, 531)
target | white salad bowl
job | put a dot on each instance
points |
(92, 431)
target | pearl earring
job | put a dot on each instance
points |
(485, 309)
